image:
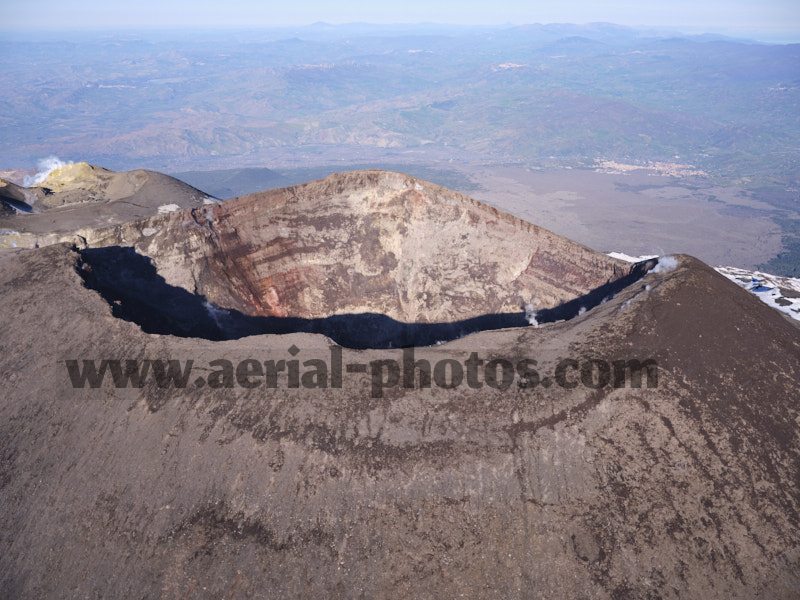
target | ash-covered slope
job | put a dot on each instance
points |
(686, 490)
(485, 489)
(366, 241)
(79, 196)
(781, 293)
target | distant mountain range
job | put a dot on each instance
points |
(545, 94)
(275, 107)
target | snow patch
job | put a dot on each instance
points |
(148, 231)
(781, 293)
(629, 258)
(168, 208)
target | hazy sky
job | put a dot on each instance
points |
(710, 15)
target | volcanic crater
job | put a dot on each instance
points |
(683, 490)
(371, 259)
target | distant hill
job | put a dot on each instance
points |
(229, 183)
(329, 94)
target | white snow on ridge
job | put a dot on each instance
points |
(629, 258)
(168, 208)
(781, 293)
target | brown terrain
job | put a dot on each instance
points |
(82, 196)
(690, 489)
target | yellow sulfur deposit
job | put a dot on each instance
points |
(72, 176)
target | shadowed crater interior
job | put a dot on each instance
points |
(130, 283)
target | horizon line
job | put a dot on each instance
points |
(770, 35)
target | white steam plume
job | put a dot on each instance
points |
(665, 265)
(530, 315)
(45, 166)
(216, 313)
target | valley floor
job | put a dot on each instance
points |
(638, 213)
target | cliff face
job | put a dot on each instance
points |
(365, 242)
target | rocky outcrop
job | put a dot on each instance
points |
(79, 197)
